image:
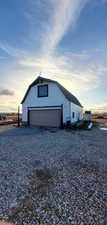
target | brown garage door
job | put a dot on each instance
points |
(46, 117)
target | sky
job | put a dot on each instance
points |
(63, 40)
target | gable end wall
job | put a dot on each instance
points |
(55, 98)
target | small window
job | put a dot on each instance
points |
(43, 91)
(73, 115)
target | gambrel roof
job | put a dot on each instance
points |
(66, 93)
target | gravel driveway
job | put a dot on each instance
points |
(53, 177)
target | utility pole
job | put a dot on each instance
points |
(18, 123)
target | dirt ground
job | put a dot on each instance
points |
(100, 121)
(53, 177)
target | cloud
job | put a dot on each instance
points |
(80, 55)
(65, 14)
(62, 68)
(96, 107)
(7, 92)
(7, 108)
(11, 51)
(77, 71)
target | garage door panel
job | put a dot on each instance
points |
(51, 118)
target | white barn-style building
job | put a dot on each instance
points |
(47, 103)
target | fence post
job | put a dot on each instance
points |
(18, 124)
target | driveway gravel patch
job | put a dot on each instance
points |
(54, 178)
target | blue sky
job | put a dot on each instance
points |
(65, 40)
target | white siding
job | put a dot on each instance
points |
(55, 97)
(78, 112)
